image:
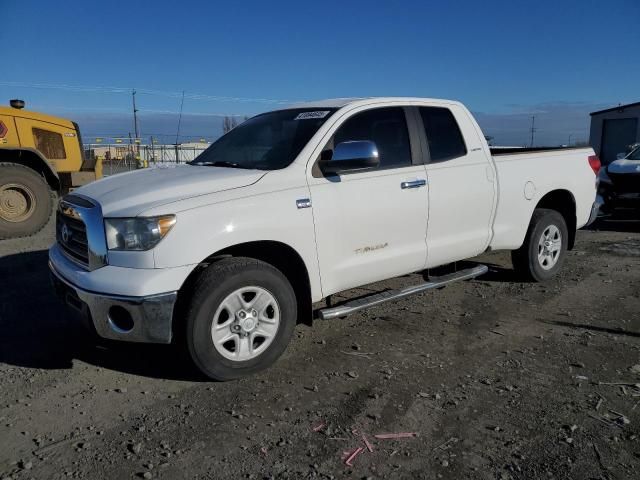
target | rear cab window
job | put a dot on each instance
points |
(443, 134)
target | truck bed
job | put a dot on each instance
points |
(525, 175)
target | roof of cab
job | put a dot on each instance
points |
(326, 103)
(343, 102)
(43, 117)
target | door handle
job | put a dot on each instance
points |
(413, 184)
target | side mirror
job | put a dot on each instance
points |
(620, 156)
(350, 156)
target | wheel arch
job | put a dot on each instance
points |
(278, 254)
(34, 160)
(563, 202)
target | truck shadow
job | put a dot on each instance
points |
(38, 331)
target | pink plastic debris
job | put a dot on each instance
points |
(390, 436)
(319, 427)
(367, 443)
(263, 451)
(352, 457)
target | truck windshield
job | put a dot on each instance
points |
(265, 142)
(635, 155)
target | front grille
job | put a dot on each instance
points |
(625, 182)
(71, 234)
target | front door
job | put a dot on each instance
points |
(371, 225)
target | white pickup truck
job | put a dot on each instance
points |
(230, 251)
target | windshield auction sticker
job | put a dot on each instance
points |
(310, 115)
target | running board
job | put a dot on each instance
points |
(376, 299)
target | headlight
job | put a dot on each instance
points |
(141, 233)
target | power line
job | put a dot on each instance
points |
(123, 90)
(143, 110)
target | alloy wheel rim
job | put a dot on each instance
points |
(245, 323)
(549, 247)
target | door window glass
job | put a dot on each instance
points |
(387, 128)
(443, 134)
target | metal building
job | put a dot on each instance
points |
(614, 129)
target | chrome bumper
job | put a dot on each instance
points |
(595, 210)
(150, 317)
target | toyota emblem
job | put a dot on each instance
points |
(66, 233)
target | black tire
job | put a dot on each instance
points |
(216, 283)
(25, 185)
(526, 261)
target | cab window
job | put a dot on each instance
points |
(443, 134)
(49, 143)
(387, 128)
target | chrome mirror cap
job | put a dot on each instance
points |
(352, 155)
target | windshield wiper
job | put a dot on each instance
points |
(219, 163)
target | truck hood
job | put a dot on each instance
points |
(130, 194)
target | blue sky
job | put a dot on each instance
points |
(506, 60)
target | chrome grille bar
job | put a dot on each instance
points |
(80, 231)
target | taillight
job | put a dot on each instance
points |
(594, 163)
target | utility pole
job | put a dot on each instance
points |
(570, 135)
(180, 118)
(128, 158)
(135, 113)
(533, 128)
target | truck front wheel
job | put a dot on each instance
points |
(545, 247)
(240, 319)
(25, 201)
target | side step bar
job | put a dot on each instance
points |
(354, 306)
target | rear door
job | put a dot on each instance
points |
(462, 185)
(371, 225)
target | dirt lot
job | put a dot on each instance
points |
(498, 379)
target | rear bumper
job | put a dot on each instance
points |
(146, 319)
(595, 210)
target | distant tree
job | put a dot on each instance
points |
(228, 124)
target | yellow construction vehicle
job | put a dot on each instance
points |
(41, 156)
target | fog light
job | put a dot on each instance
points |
(120, 319)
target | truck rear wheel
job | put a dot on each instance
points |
(25, 201)
(240, 319)
(545, 246)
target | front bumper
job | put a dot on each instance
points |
(147, 319)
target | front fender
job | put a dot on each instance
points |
(202, 231)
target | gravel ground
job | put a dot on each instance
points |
(496, 379)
